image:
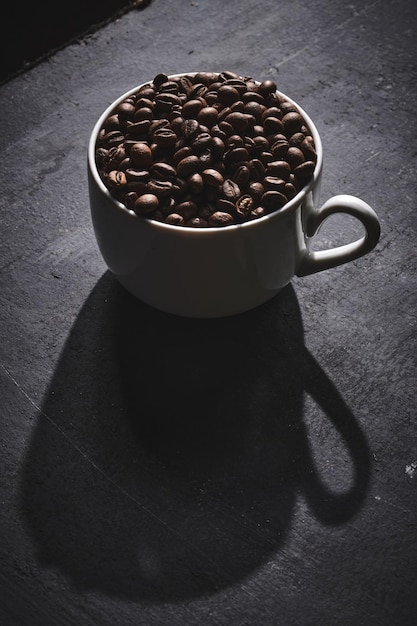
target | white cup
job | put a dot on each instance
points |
(220, 271)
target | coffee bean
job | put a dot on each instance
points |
(159, 188)
(274, 183)
(146, 204)
(244, 205)
(295, 156)
(125, 111)
(231, 190)
(187, 209)
(192, 108)
(207, 116)
(212, 177)
(242, 176)
(266, 87)
(201, 142)
(140, 176)
(175, 219)
(239, 121)
(292, 123)
(187, 166)
(221, 218)
(273, 200)
(164, 137)
(305, 170)
(141, 155)
(116, 179)
(163, 171)
(190, 128)
(225, 206)
(227, 94)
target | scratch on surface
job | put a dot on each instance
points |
(292, 56)
(411, 469)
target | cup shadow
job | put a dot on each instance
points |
(169, 452)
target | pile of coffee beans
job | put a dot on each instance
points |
(205, 150)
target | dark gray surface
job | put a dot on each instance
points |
(260, 470)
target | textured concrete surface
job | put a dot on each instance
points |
(260, 470)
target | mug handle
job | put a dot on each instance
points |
(313, 218)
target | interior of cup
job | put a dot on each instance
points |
(289, 206)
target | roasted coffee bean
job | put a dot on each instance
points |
(187, 166)
(239, 121)
(206, 158)
(156, 124)
(225, 205)
(137, 129)
(114, 157)
(295, 156)
(181, 154)
(217, 147)
(175, 219)
(279, 148)
(256, 190)
(212, 178)
(159, 188)
(187, 209)
(244, 205)
(169, 86)
(163, 171)
(282, 169)
(117, 179)
(296, 140)
(274, 183)
(207, 116)
(292, 123)
(190, 129)
(309, 151)
(191, 108)
(143, 113)
(125, 111)
(195, 183)
(257, 169)
(112, 138)
(160, 79)
(255, 109)
(266, 87)
(227, 94)
(273, 200)
(221, 218)
(201, 142)
(146, 204)
(112, 123)
(139, 176)
(304, 171)
(100, 156)
(141, 155)
(231, 190)
(290, 191)
(257, 212)
(237, 155)
(273, 125)
(242, 176)
(164, 137)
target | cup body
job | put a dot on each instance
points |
(201, 272)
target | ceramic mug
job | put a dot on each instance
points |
(220, 271)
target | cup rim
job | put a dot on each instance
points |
(286, 209)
